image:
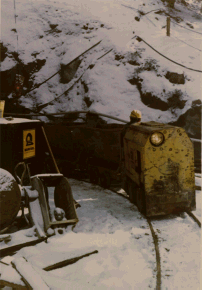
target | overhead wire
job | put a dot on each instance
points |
(185, 27)
(166, 56)
(175, 22)
(140, 38)
(144, 14)
(38, 85)
(187, 43)
(67, 113)
(55, 99)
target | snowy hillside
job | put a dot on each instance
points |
(130, 76)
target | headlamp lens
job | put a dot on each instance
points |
(157, 138)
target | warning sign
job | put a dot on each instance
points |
(28, 143)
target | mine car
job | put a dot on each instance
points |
(157, 171)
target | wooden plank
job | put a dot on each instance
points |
(31, 278)
(5, 238)
(12, 285)
(52, 256)
(10, 278)
(7, 260)
(8, 250)
(67, 262)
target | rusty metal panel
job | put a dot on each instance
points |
(169, 173)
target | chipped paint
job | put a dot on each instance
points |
(167, 171)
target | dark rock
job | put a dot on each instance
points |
(118, 57)
(191, 120)
(88, 101)
(68, 71)
(52, 26)
(85, 27)
(175, 78)
(178, 19)
(8, 77)
(138, 39)
(171, 3)
(148, 98)
(133, 62)
(137, 18)
(154, 102)
(176, 100)
(91, 66)
(190, 25)
(85, 86)
(133, 81)
(3, 52)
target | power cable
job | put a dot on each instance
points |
(162, 10)
(139, 39)
(130, 7)
(55, 99)
(37, 86)
(187, 43)
(184, 27)
(77, 112)
(66, 113)
(174, 36)
(152, 11)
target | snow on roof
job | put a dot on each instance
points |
(16, 120)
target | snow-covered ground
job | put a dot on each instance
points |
(126, 256)
(51, 33)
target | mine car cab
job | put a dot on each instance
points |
(159, 168)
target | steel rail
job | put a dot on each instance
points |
(194, 218)
(156, 245)
(154, 236)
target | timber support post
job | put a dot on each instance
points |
(168, 26)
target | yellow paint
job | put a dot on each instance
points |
(29, 143)
(166, 172)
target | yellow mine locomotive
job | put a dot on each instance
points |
(153, 161)
(159, 168)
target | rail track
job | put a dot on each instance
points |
(194, 218)
(154, 232)
(156, 240)
(116, 189)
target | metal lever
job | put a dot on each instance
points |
(20, 180)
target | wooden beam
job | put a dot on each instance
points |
(67, 262)
(31, 278)
(168, 26)
(4, 283)
(8, 250)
